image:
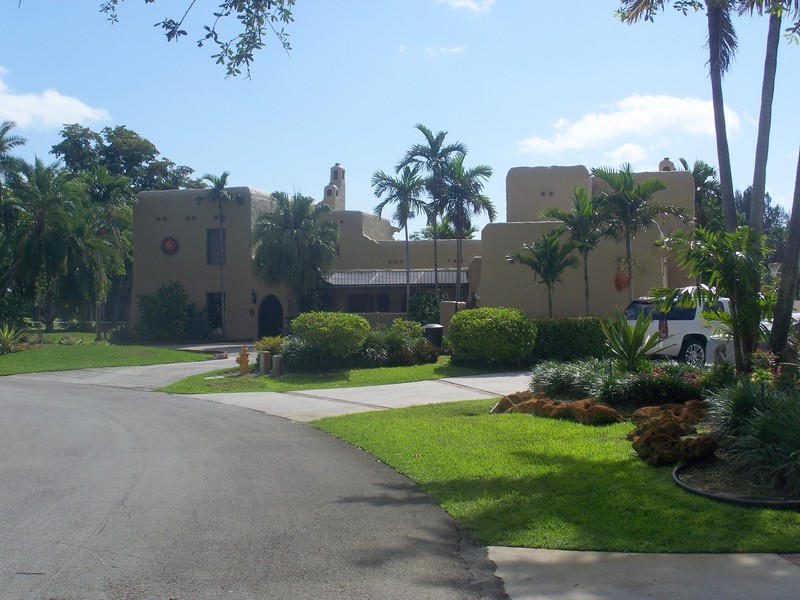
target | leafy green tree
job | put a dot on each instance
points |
(295, 243)
(403, 191)
(122, 152)
(585, 228)
(627, 209)
(255, 19)
(548, 258)
(217, 194)
(465, 199)
(433, 157)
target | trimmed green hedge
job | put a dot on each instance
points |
(498, 337)
(336, 334)
(569, 339)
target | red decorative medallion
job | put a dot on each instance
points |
(169, 246)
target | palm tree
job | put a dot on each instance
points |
(405, 192)
(44, 203)
(444, 231)
(433, 156)
(788, 287)
(8, 142)
(294, 244)
(219, 195)
(722, 45)
(548, 259)
(109, 214)
(627, 208)
(464, 199)
(585, 228)
(707, 201)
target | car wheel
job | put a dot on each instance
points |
(693, 352)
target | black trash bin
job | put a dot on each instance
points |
(433, 333)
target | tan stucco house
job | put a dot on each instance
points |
(176, 237)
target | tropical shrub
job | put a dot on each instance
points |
(338, 335)
(410, 329)
(271, 344)
(629, 345)
(12, 309)
(423, 308)
(569, 339)
(168, 314)
(756, 426)
(661, 386)
(70, 340)
(400, 345)
(12, 339)
(499, 337)
(575, 380)
(299, 355)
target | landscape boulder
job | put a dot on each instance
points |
(587, 411)
(667, 434)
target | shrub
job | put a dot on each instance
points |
(70, 340)
(12, 339)
(410, 329)
(630, 345)
(168, 315)
(425, 352)
(298, 355)
(569, 339)
(375, 352)
(339, 336)
(757, 429)
(720, 375)
(500, 337)
(271, 344)
(576, 380)
(423, 308)
(12, 309)
(634, 390)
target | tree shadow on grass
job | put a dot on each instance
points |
(584, 504)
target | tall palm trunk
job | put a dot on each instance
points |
(459, 237)
(629, 263)
(408, 272)
(715, 15)
(764, 124)
(788, 286)
(586, 281)
(435, 260)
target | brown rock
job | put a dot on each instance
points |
(587, 411)
(502, 406)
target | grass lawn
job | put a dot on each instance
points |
(519, 480)
(229, 380)
(57, 357)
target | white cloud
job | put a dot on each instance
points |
(45, 110)
(635, 116)
(433, 51)
(627, 153)
(441, 50)
(474, 5)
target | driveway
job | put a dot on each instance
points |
(113, 491)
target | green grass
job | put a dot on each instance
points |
(57, 357)
(290, 382)
(518, 480)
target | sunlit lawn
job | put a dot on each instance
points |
(58, 357)
(519, 480)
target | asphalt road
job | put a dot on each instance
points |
(117, 492)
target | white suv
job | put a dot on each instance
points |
(683, 331)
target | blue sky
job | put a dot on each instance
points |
(520, 82)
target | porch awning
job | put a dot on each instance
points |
(392, 277)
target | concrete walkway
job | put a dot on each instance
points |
(531, 574)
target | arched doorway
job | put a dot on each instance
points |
(270, 317)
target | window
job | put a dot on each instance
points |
(215, 247)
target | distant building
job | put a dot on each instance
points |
(176, 237)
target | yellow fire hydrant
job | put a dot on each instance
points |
(244, 361)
